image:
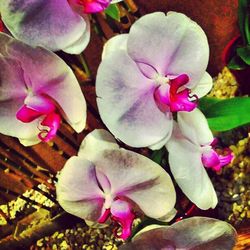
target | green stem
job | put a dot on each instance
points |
(84, 64)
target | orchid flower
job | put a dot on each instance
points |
(191, 148)
(146, 75)
(190, 234)
(105, 182)
(37, 90)
(53, 24)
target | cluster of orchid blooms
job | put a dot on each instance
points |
(148, 85)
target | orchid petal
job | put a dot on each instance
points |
(29, 142)
(79, 45)
(172, 44)
(189, 172)
(78, 191)
(139, 179)
(194, 126)
(204, 86)
(126, 102)
(115, 43)
(46, 27)
(95, 142)
(11, 126)
(11, 86)
(163, 142)
(54, 78)
(192, 233)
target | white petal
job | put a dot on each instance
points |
(79, 45)
(172, 44)
(138, 178)
(78, 191)
(29, 142)
(54, 25)
(204, 86)
(194, 126)
(95, 142)
(9, 125)
(192, 233)
(126, 102)
(115, 43)
(161, 143)
(189, 173)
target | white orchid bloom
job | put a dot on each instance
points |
(105, 181)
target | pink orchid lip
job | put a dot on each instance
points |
(40, 106)
(1, 25)
(52, 121)
(176, 97)
(211, 159)
(124, 217)
(89, 6)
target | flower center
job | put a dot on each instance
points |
(211, 159)
(39, 106)
(88, 6)
(120, 211)
(174, 96)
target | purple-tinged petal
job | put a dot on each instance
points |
(172, 44)
(189, 172)
(194, 126)
(204, 86)
(79, 45)
(54, 78)
(78, 191)
(11, 81)
(192, 233)
(115, 43)
(11, 126)
(137, 178)
(126, 102)
(95, 142)
(38, 22)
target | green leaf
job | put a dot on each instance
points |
(244, 53)
(227, 114)
(242, 11)
(247, 28)
(206, 102)
(236, 63)
(113, 12)
(157, 155)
